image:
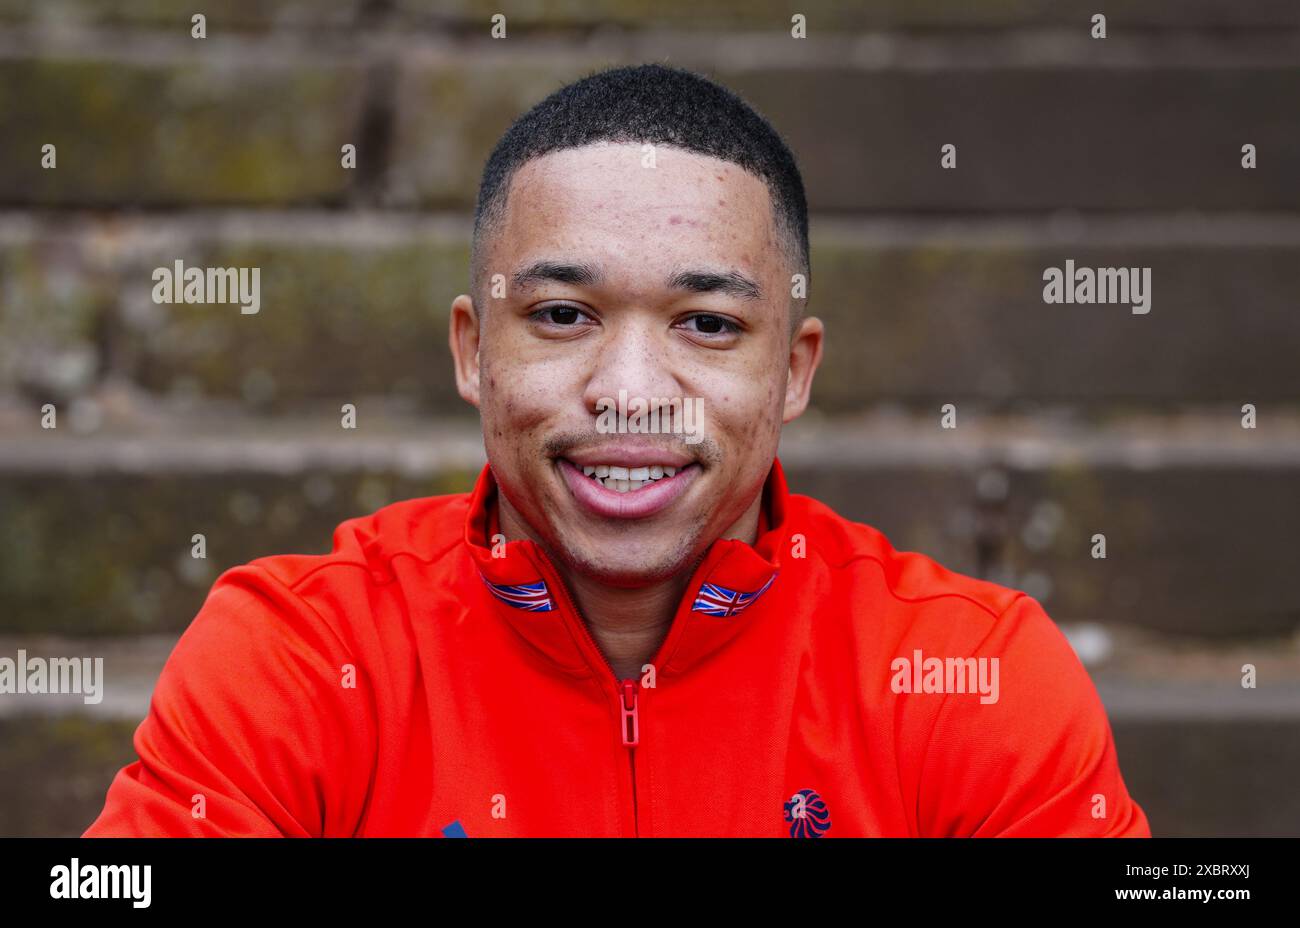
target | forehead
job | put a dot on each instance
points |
(607, 203)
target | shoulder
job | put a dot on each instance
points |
(329, 601)
(425, 529)
(862, 566)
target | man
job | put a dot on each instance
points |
(630, 626)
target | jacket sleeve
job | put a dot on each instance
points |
(253, 728)
(1037, 762)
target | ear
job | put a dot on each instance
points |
(805, 355)
(464, 339)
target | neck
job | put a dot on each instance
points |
(628, 624)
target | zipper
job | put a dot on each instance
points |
(631, 722)
(631, 738)
(625, 690)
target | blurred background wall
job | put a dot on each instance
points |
(1072, 420)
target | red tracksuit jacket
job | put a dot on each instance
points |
(410, 683)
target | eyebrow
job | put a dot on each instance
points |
(562, 272)
(732, 283)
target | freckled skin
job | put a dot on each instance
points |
(534, 382)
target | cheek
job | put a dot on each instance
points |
(745, 411)
(521, 390)
(515, 409)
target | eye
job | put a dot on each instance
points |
(710, 324)
(560, 315)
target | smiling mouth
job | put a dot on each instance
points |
(611, 491)
(628, 479)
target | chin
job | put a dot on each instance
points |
(632, 568)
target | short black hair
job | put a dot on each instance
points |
(660, 105)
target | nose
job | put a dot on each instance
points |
(634, 356)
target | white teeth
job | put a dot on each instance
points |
(627, 479)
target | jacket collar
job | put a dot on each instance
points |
(728, 588)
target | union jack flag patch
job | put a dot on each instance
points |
(720, 601)
(530, 597)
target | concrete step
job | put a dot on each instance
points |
(1028, 138)
(95, 529)
(1041, 122)
(1196, 510)
(919, 311)
(324, 16)
(55, 771)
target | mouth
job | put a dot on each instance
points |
(627, 490)
(627, 479)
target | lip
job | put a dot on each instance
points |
(635, 504)
(629, 455)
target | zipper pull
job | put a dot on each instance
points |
(631, 721)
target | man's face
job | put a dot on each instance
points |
(667, 282)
